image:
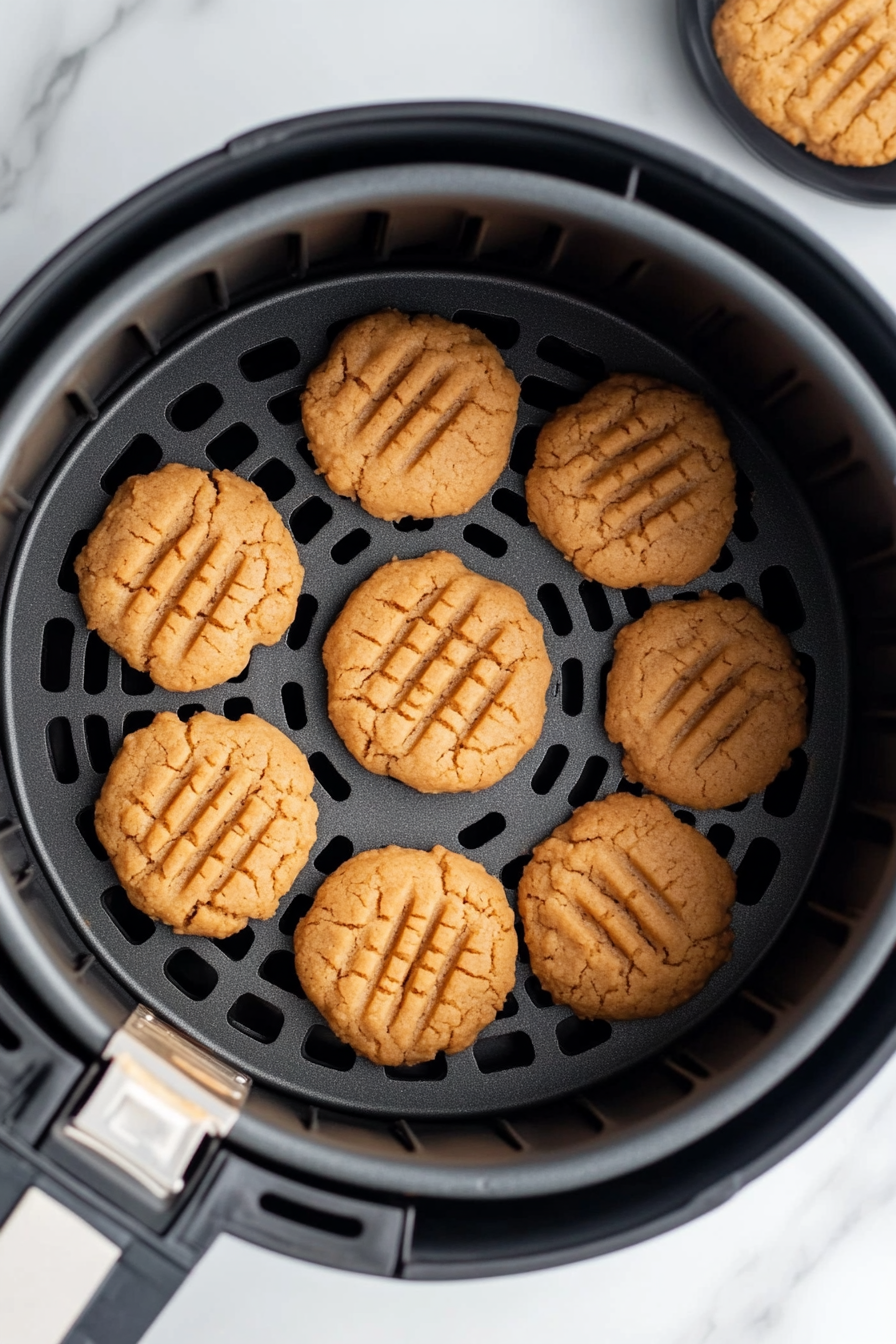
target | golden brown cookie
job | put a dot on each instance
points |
(407, 953)
(626, 910)
(634, 483)
(706, 699)
(185, 573)
(411, 415)
(207, 822)
(822, 75)
(436, 675)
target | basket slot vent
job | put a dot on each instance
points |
(687, 818)
(274, 478)
(721, 837)
(555, 608)
(510, 1008)
(304, 451)
(141, 456)
(137, 719)
(296, 910)
(572, 687)
(257, 1018)
(56, 654)
(725, 561)
(191, 974)
(133, 925)
(87, 831)
(287, 407)
(68, 579)
(782, 796)
(546, 395)
(187, 711)
(731, 591)
(134, 682)
(597, 608)
(430, 1071)
(756, 870)
(99, 746)
(269, 360)
(232, 446)
(512, 506)
(329, 777)
(193, 409)
(513, 871)
(573, 359)
(301, 626)
(322, 1047)
(504, 332)
(308, 519)
(96, 664)
(497, 1054)
(537, 993)
(485, 540)
(574, 1036)
(61, 748)
(523, 454)
(332, 855)
(587, 786)
(780, 599)
(238, 945)
(294, 706)
(551, 768)
(350, 546)
(9, 1041)
(237, 706)
(409, 524)
(478, 833)
(279, 968)
(522, 951)
(637, 601)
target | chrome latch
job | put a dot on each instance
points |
(160, 1097)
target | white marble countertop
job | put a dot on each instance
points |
(97, 98)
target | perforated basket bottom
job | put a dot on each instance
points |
(229, 397)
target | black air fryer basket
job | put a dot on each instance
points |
(182, 328)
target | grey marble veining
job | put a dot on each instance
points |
(99, 97)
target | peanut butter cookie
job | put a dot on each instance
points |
(634, 483)
(411, 415)
(707, 700)
(626, 910)
(436, 675)
(407, 953)
(822, 75)
(208, 822)
(186, 572)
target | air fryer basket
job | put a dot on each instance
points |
(193, 348)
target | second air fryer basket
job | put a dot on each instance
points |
(198, 356)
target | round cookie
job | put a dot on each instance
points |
(208, 822)
(407, 953)
(634, 483)
(706, 699)
(821, 75)
(186, 572)
(626, 910)
(436, 675)
(411, 415)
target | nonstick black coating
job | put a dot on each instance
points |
(872, 186)
(240, 997)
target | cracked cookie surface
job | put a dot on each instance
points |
(411, 415)
(186, 572)
(820, 74)
(209, 822)
(634, 483)
(706, 699)
(437, 676)
(406, 953)
(626, 910)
